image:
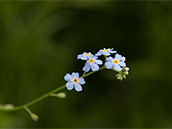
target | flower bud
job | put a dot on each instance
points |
(119, 78)
(118, 75)
(7, 106)
(34, 117)
(124, 76)
(126, 69)
(123, 59)
(126, 73)
(61, 95)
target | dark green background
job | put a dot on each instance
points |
(39, 43)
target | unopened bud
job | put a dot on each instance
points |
(126, 73)
(7, 106)
(118, 75)
(123, 59)
(126, 69)
(61, 95)
(124, 76)
(34, 117)
(119, 78)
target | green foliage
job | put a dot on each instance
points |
(38, 46)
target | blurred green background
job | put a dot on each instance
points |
(39, 42)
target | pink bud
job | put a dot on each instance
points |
(126, 69)
(123, 59)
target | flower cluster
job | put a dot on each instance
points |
(93, 63)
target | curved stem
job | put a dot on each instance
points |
(34, 101)
(44, 96)
(88, 74)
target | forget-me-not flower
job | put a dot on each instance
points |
(92, 63)
(84, 56)
(105, 52)
(115, 63)
(74, 81)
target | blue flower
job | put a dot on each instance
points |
(74, 81)
(92, 63)
(105, 52)
(84, 56)
(115, 63)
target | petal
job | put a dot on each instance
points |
(81, 80)
(86, 68)
(82, 57)
(109, 65)
(79, 56)
(94, 66)
(69, 85)
(99, 62)
(106, 53)
(117, 67)
(123, 64)
(118, 57)
(109, 59)
(78, 87)
(99, 53)
(67, 77)
(75, 74)
(111, 51)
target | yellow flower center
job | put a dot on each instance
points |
(87, 54)
(105, 49)
(91, 61)
(75, 80)
(115, 62)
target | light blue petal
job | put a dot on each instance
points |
(82, 57)
(99, 53)
(68, 77)
(123, 64)
(117, 67)
(86, 68)
(92, 57)
(109, 59)
(99, 62)
(118, 57)
(78, 87)
(75, 74)
(94, 66)
(108, 65)
(111, 51)
(106, 53)
(69, 85)
(81, 80)
(79, 56)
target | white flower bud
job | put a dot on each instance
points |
(126, 73)
(34, 117)
(61, 95)
(7, 106)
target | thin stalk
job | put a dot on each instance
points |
(45, 95)
(28, 110)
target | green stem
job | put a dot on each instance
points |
(88, 74)
(44, 96)
(105, 60)
(34, 101)
(28, 110)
